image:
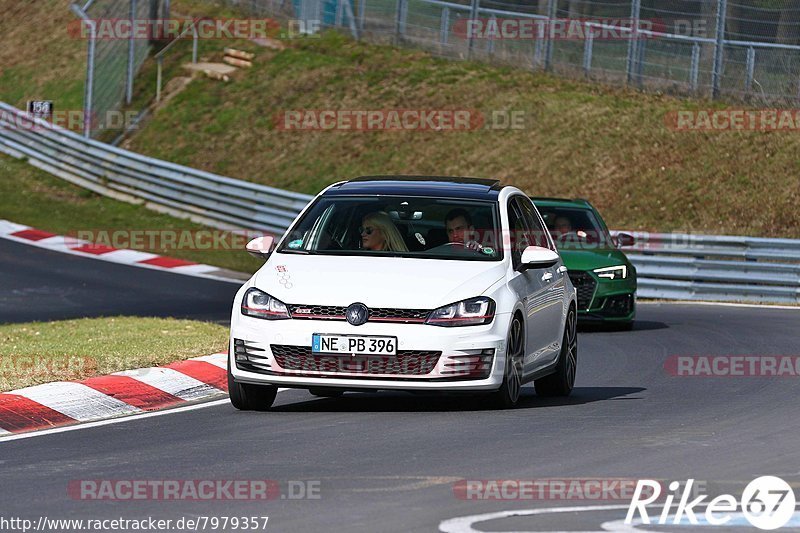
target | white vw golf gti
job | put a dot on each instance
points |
(406, 283)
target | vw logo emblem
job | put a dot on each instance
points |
(357, 314)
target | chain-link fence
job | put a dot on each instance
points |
(112, 62)
(747, 50)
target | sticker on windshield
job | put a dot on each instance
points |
(487, 250)
(294, 245)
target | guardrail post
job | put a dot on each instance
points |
(751, 67)
(588, 46)
(633, 43)
(444, 26)
(552, 6)
(694, 68)
(473, 16)
(131, 57)
(719, 49)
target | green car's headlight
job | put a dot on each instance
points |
(615, 272)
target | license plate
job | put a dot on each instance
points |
(353, 344)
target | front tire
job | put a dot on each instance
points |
(562, 381)
(248, 397)
(507, 396)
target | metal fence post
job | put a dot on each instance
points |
(473, 15)
(362, 9)
(195, 38)
(131, 57)
(351, 19)
(751, 67)
(337, 17)
(633, 44)
(88, 94)
(588, 46)
(399, 23)
(538, 47)
(552, 7)
(444, 26)
(640, 50)
(694, 69)
(719, 48)
(490, 44)
(160, 63)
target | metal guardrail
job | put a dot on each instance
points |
(185, 192)
(719, 268)
(669, 266)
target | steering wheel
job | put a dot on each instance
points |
(463, 245)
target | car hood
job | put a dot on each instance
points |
(375, 281)
(592, 259)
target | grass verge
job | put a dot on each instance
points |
(32, 197)
(41, 352)
(609, 145)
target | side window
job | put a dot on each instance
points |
(518, 232)
(539, 233)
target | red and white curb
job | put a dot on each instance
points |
(58, 243)
(122, 393)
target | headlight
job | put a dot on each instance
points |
(472, 312)
(259, 304)
(615, 272)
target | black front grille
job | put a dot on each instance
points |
(405, 363)
(585, 286)
(377, 314)
(330, 312)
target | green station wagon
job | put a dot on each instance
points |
(604, 278)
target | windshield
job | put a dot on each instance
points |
(575, 228)
(430, 228)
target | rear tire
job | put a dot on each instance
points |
(248, 397)
(562, 381)
(507, 396)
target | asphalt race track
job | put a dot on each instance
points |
(388, 461)
(39, 285)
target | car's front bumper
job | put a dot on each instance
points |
(603, 299)
(270, 341)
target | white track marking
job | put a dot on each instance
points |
(218, 359)
(108, 422)
(172, 382)
(464, 524)
(120, 420)
(77, 401)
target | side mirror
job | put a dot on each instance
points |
(261, 247)
(538, 257)
(624, 239)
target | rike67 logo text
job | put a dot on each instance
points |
(767, 503)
